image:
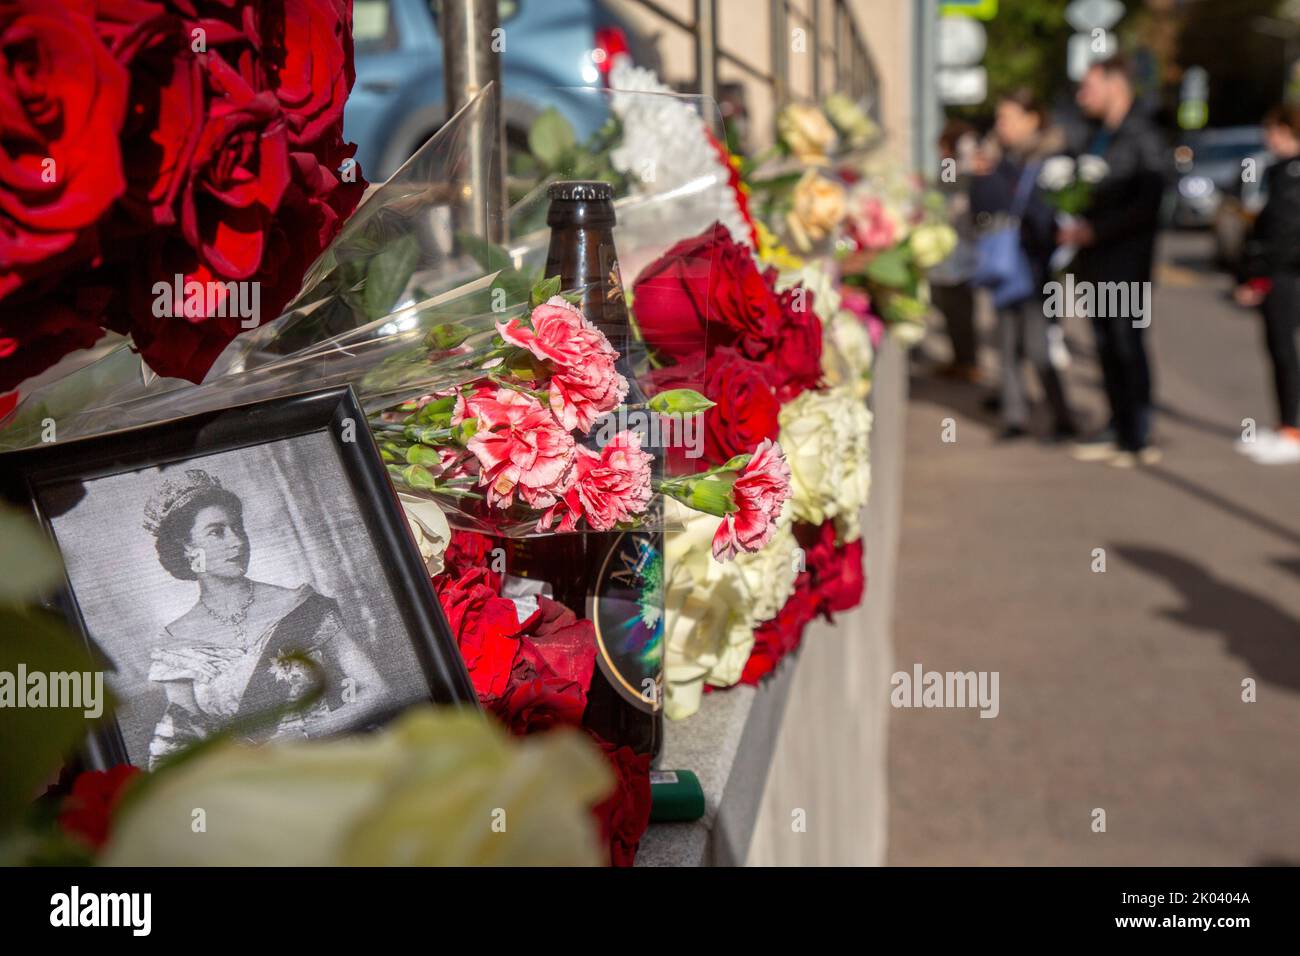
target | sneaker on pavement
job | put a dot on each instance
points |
(1102, 448)
(1283, 451)
(1123, 459)
(1265, 436)
(1150, 455)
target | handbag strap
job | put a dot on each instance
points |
(1024, 190)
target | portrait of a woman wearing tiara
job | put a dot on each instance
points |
(227, 657)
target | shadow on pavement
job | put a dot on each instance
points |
(1253, 628)
(1261, 521)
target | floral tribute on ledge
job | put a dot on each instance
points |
(155, 146)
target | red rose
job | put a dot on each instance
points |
(166, 109)
(62, 104)
(87, 812)
(307, 57)
(541, 704)
(836, 575)
(706, 284)
(238, 174)
(35, 332)
(557, 643)
(776, 638)
(795, 354)
(468, 550)
(486, 628)
(625, 814)
(746, 410)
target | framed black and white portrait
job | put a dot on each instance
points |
(225, 564)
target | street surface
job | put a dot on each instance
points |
(1120, 691)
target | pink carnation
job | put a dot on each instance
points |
(760, 492)
(609, 487)
(872, 226)
(519, 446)
(584, 383)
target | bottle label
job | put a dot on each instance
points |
(626, 607)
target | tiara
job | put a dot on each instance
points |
(176, 493)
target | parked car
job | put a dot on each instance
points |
(1236, 213)
(1209, 164)
(551, 48)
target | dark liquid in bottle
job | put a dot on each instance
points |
(614, 578)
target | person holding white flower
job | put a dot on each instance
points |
(1116, 237)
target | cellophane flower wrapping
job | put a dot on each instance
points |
(408, 303)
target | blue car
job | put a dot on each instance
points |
(398, 100)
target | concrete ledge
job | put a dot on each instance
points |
(812, 737)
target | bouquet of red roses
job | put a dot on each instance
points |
(169, 170)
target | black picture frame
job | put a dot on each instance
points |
(333, 410)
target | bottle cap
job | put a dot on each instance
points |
(581, 190)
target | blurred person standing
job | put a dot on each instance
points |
(1116, 237)
(1008, 195)
(1270, 279)
(950, 285)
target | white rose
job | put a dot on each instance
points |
(818, 280)
(931, 244)
(415, 793)
(907, 334)
(1092, 169)
(429, 528)
(711, 608)
(1056, 174)
(847, 354)
(826, 437)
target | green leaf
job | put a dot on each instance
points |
(543, 290)
(551, 138)
(388, 274)
(29, 563)
(418, 477)
(891, 268)
(439, 408)
(446, 336)
(466, 430)
(422, 455)
(35, 740)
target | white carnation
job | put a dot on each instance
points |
(665, 148)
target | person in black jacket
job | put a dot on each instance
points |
(1026, 138)
(1117, 238)
(1271, 280)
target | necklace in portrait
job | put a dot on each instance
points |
(238, 619)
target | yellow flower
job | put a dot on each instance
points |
(807, 132)
(772, 253)
(437, 787)
(819, 206)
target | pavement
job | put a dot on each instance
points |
(1119, 691)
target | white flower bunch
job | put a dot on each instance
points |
(665, 147)
(712, 608)
(826, 436)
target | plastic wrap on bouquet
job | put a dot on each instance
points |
(441, 334)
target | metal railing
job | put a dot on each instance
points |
(853, 70)
(470, 64)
